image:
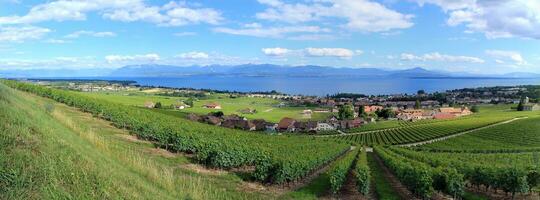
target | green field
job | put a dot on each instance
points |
(266, 108)
(51, 151)
(58, 144)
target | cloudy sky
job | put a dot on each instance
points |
(478, 36)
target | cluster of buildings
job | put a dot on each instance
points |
(439, 113)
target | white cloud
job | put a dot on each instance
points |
(171, 14)
(275, 51)
(56, 41)
(436, 56)
(182, 34)
(312, 52)
(496, 19)
(21, 33)
(329, 52)
(503, 56)
(147, 58)
(90, 33)
(194, 55)
(271, 32)
(360, 15)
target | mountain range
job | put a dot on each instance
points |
(249, 70)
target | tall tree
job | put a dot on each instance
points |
(346, 112)
(417, 104)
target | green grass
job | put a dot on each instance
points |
(51, 151)
(265, 107)
(382, 188)
(317, 188)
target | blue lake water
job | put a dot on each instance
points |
(327, 85)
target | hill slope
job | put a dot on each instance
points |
(51, 151)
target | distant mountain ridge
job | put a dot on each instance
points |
(267, 70)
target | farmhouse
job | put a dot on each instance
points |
(212, 106)
(321, 126)
(458, 112)
(531, 107)
(149, 104)
(443, 116)
(307, 114)
(370, 109)
(180, 106)
(310, 126)
(286, 124)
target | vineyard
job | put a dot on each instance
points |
(276, 159)
(519, 135)
(451, 172)
(422, 132)
(499, 152)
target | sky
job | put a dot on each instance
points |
(473, 36)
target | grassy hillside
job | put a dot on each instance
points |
(51, 151)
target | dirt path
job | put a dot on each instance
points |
(458, 134)
(268, 110)
(349, 191)
(396, 185)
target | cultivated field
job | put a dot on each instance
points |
(61, 144)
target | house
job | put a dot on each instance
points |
(286, 124)
(370, 109)
(310, 126)
(410, 114)
(443, 116)
(271, 127)
(321, 126)
(531, 107)
(149, 104)
(213, 120)
(348, 124)
(321, 110)
(458, 112)
(180, 106)
(193, 117)
(260, 124)
(247, 111)
(212, 106)
(306, 114)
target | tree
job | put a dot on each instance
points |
(361, 111)
(417, 104)
(217, 114)
(189, 102)
(346, 112)
(385, 113)
(475, 109)
(158, 105)
(421, 92)
(521, 105)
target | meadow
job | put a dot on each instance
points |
(265, 108)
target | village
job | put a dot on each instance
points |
(340, 119)
(309, 114)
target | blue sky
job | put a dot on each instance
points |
(477, 36)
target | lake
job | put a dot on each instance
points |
(328, 85)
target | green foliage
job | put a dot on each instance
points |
(417, 104)
(475, 109)
(277, 159)
(339, 170)
(385, 113)
(362, 174)
(482, 169)
(158, 105)
(346, 112)
(416, 176)
(520, 135)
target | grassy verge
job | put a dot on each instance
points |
(381, 187)
(51, 151)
